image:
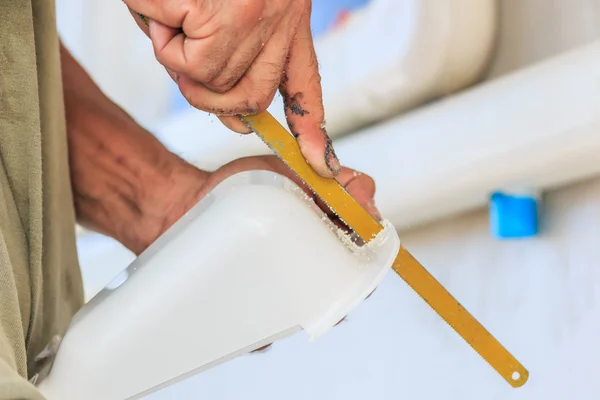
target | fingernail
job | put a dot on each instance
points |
(377, 216)
(331, 159)
(151, 25)
(375, 212)
(174, 75)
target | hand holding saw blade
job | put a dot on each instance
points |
(405, 265)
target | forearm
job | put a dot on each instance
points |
(124, 180)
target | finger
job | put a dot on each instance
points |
(170, 44)
(199, 18)
(201, 59)
(235, 124)
(260, 23)
(143, 24)
(208, 48)
(253, 93)
(302, 93)
(362, 188)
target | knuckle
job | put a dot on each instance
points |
(248, 12)
(211, 72)
(190, 9)
(221, 86)
(205, 63)
(224, 82)
(209, 75)
(163, 59)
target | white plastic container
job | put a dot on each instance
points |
(254, 261)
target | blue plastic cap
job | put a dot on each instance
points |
(513, 216)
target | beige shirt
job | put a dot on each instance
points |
(40, 281)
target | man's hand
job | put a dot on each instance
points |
(360, 186)
(229, 57)
(127, 185)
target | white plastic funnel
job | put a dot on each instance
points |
(254, 261)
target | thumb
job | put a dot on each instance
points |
(303, 100)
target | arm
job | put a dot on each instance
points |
(126, 184)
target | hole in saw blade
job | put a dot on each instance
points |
(515, 376)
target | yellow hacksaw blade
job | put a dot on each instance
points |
(285, 145)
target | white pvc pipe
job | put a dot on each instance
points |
(538, 128)
(395, 55)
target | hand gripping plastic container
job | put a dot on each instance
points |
(254, 261)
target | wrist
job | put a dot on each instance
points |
(136, 208)
(162, 198)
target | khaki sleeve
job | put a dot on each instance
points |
(14, 387)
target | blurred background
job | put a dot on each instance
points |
(480, 122)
